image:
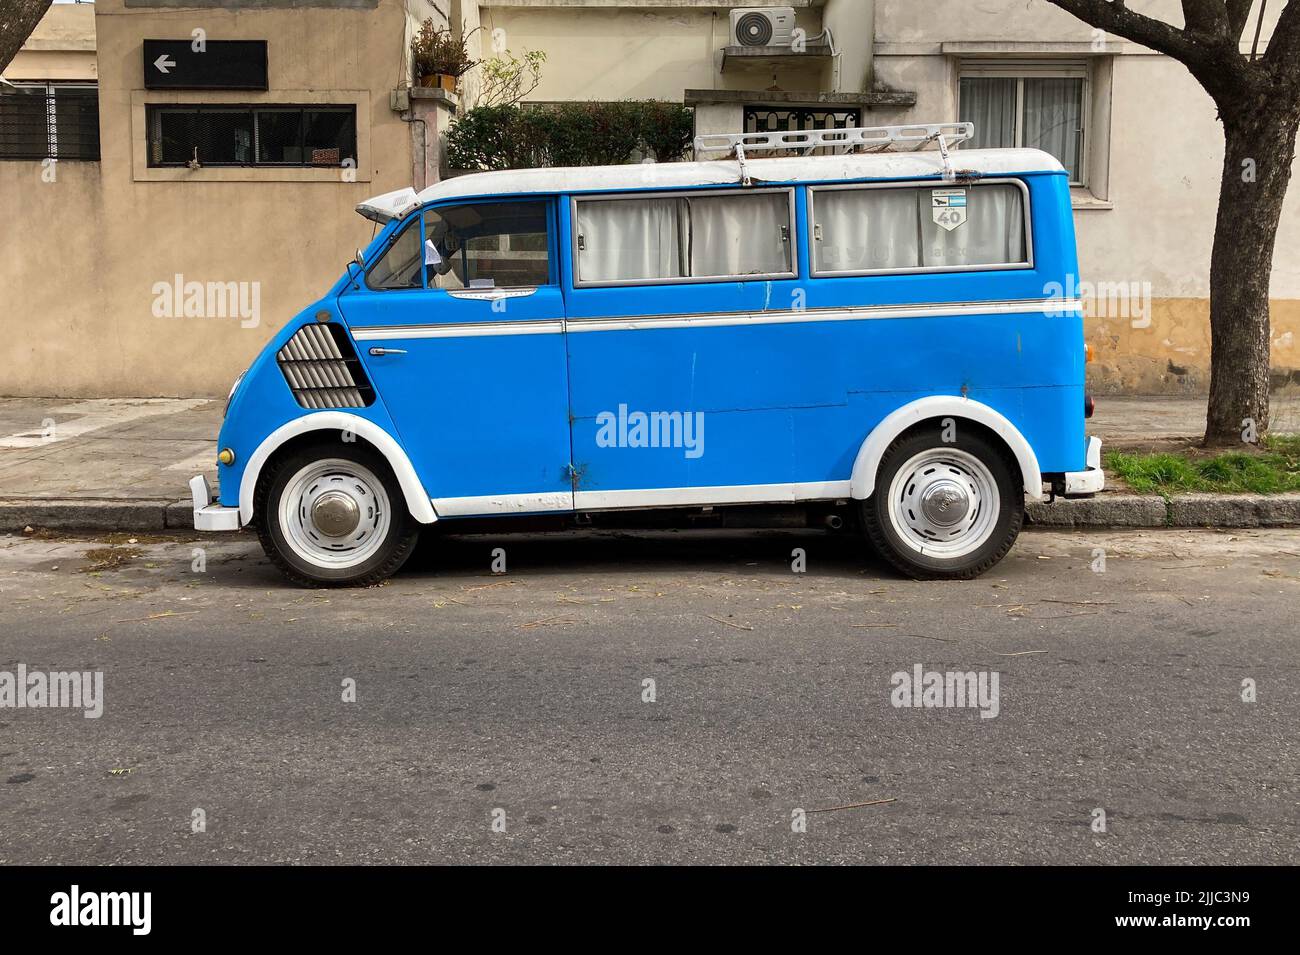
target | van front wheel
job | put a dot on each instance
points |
(334, 516)
(945, 510)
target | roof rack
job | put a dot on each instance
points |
(852, 139)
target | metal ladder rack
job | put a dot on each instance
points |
(852, 139)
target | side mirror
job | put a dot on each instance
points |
(359, 258)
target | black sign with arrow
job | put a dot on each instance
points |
(215, 65)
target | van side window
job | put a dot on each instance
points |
(487, 245)
(937, 228)
(399, 267)
(683, 238)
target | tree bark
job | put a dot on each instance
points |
(1259, 143)
(18, 18)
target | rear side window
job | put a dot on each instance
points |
(931, 228)
(683, 238)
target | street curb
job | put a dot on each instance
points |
(96, 515)
(1104, 510)
(1187, 510)
(1111, 510)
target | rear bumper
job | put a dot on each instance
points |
(209, 516)
(1091, 479)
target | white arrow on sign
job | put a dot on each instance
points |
(164, 63)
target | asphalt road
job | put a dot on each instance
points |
(518, 699)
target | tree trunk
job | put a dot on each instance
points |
(18, 18)
(1259, 145)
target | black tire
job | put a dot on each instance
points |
(402, 533)
(893, 547)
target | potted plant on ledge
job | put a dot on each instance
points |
(439, 57)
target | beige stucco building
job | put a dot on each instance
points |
(98, 250)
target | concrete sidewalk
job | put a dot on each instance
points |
(108, 464)
(104, 463)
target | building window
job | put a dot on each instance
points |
(49, 121)
(1039, 105)
(252, 135)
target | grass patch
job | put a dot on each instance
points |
(1288, 444)
(1272, 469)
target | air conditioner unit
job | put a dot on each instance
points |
(762, 26)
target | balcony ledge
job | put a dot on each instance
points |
(772, 57)
(876, 99)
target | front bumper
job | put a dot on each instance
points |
(1091, 479)
(209, 516)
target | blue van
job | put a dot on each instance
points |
(880, 332)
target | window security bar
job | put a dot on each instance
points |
(862, 138)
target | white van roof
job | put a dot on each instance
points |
(726, 172)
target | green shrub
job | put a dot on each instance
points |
(667, 129)
(493, 137)
(568, 134)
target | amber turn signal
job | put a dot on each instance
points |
(226, 457)
(1087, 351)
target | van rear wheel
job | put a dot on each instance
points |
(334, 516)
(945, 510)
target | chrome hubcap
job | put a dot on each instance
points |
(944, 502)
(336, 514)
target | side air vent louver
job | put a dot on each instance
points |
(322, 369)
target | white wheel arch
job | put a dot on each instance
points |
(417, 501)
(867, 463)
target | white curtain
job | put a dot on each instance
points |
(1054, 119)
(739, 235)
(990, 103)
(639, 239)
(631, 239)
(866, 229)
(993, 233)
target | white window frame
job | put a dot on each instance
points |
(1023, 69)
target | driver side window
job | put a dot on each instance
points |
(474, 245)
(487, 245)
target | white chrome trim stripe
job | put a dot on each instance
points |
(490, 294)
(378, 333)
(638, 497)
(552, 326)
(723, 494)
(851, 314)
(503, 504)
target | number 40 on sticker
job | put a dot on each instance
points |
(948, 207)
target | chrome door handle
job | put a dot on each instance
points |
(377, 351)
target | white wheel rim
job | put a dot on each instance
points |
(944, 503)
(334, 514)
